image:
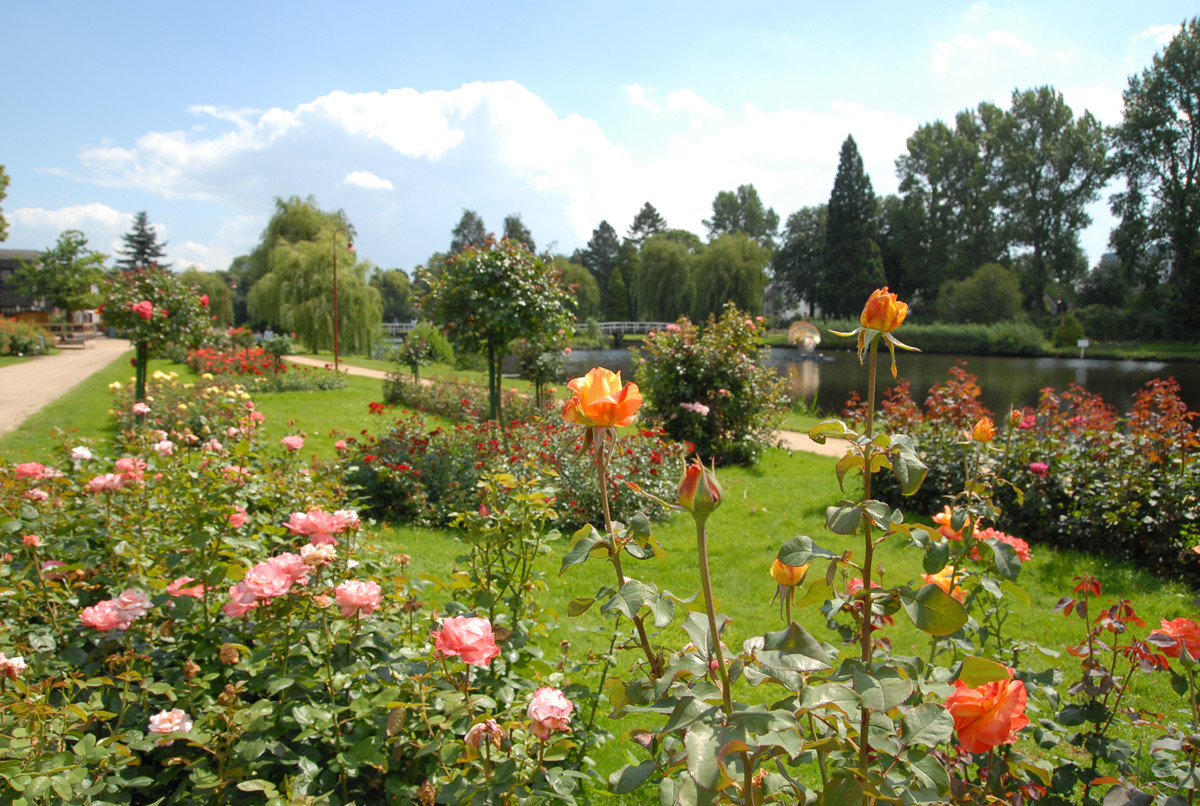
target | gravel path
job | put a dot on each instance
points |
(793, 440)
(28, 386)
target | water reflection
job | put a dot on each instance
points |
(1005, 381)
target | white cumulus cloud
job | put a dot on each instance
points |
(640, 96)
(697, 109)
(366, 179)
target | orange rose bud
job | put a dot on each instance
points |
(883, 311)
(1015, 416)
(789, 576)
(601, 401)
(984, 430)
(699, 491)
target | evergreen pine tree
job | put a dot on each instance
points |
(616, 305)
(647, 222)
(141, 248)
(853, 266)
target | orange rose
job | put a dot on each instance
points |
(942, 580)
(601, 401)
(883, 311)
(1185, 634)
(945, 527)
(788, 575)
(984, 430)
(989, 715)
(699, 491)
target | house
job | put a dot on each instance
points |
(12, 304)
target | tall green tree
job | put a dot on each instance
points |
(733, 268)
(992, 294)
(469, 231)
(647, 222)
(1051, 166)
(220, 296)
(395, 295)
(297, 294)
(3, 194)
(600, 257)
(743, 211)
(1157, 151)
(67, 275)
(491, 295)
(580, 284)
(799, 263)
(664, 289)
(515, 230)
(141, 247)
(853, 266)
(617, 304)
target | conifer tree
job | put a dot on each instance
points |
(141, 248)
(853, 266)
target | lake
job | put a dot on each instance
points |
(1005, 381)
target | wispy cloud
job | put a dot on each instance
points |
(1159, 34)
(366, 179)
(640, 96)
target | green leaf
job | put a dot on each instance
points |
(797, 649)
(932, 610)
(664, 611)
(842, 791)
(1016, 591)
(843, 519)
(802, 550)
(936, 556)
(879, 513)
(687, 712)
(928, 724)
(907, 467)
(851, 461)
(579, 606)
(1007, 561)
(258, 785)
(581, 548)
(629, 777)
(836, 695)
(628, 600)
(883, 690)
(976, 672)
(829, 428)
(702, 762)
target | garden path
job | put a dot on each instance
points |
(28, 386)
(793, 440)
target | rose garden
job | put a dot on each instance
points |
(620, 591)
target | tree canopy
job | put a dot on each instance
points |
(515, 230)
(852, 264)
(647, 222)
(141, 247)
(743, 211)
(469, 231)
(67, 275)
(3, 194)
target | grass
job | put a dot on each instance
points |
(6, 360)
(783, 496)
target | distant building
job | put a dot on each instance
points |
(12, 304)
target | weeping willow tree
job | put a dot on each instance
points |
(296, 294)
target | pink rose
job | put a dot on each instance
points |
(1039, 468)
(11, 667)
(293, 442)
(173, 721)
(132, 604)
(164, 448)
(32, 541)
(141, 408)
(81, 454)
(37, 495)
(31, 470)
(131, 468)
(549, 711)
(469, 638)
(103, 616)
(240, 603)
(204, 301)
(239, 518)
(106, 482)
(340, 445)
(47, 565)
(213, 445)
(481, 733)
(235, 473)
(144, 309)
(355, 597)
(293, 565)
(186, 586)
(266, 581)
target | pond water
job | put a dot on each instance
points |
(1005, 381)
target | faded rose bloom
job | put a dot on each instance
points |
(239, 518)
(697, 408)
(348, 518)
(601, 401)
(1183, 632)
(140, 408)
(213, 445)
(293, 442)
(466, 637)
(81, 454)
(485, 732)
(989, 715)
(235, 473)
(174, 721)
(186, 586)
(229, 654)
(103, 616)
(358, 598)
(549, 711)
(317, 556)
(37, 495)
(132, 604)
(11, 667)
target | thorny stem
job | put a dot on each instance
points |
(864, 750)
(615, 548)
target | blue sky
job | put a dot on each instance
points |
(402, 114)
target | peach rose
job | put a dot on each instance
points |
(103, 616)
(466, 637)
(601, 401)
(174, 721)
(549, 710)
(358, 598)
(883, 311)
